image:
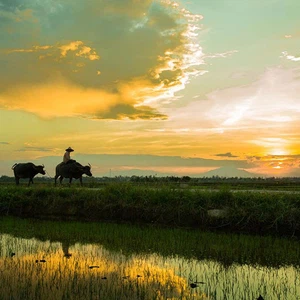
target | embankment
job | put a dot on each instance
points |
(244, 211)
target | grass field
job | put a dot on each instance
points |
(262, 212)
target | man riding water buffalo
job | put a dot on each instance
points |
(67, 156)
(69, 168)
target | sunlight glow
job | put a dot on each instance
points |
(278, 151)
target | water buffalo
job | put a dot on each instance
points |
(27, 170)
(71, 170)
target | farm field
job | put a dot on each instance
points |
(98, 260)
(128, 240)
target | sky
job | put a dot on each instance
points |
(154, 87)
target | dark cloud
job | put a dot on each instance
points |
(254, 158)
(228, 154)
(283, 156)
(123, 111)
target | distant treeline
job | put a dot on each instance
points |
(190, 181)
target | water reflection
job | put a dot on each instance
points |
(65, 248)
(116, 277)
(66, 274)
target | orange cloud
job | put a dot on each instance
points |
(80, 50)
(64, 99)
(77, 47)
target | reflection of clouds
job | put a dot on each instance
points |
(160, 277)
(124, 275)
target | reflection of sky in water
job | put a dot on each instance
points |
(118, 276)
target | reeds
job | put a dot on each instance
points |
(122, 270)
(227, 249)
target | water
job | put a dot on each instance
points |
(39, 268)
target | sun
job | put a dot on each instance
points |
(278, 151)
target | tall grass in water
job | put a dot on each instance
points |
(90, 273)
(93, 272)
(227, 249)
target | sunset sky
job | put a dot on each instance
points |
(168, 87)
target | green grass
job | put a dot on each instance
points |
(224, 248)
(252, 212)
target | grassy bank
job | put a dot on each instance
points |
(251, 212)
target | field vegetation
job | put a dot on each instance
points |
(98, 260)
(226, 249)
(259, 212)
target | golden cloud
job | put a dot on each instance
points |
(64, 99)
(114, 63)
(80, 50)
(77, 47)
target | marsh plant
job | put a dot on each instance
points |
(71, 260)
(42, 271)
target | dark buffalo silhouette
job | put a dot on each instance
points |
(27, 170)
(71, 170)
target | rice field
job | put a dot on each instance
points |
(75, 260)
(185, 244)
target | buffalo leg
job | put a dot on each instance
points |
(70, 180)
(17, 180)
(30, 180)
(55, 178)
(60, 179)
(80, 179)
